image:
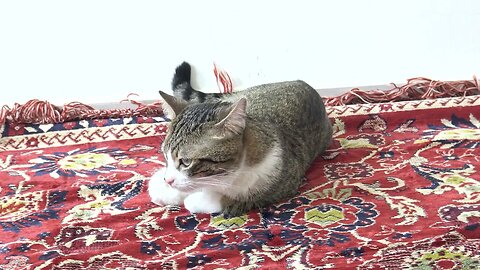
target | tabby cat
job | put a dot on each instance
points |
(234, 152)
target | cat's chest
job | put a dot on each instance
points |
(249, 179)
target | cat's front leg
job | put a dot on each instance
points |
(235, 208)
(204, 202)
(161, 193)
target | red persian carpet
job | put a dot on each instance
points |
(399, 188)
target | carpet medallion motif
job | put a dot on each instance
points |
(399, 188)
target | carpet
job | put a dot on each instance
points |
(398, 188)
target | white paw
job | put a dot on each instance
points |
(204, 202)
(161, 193)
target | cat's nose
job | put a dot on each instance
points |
(169, 180)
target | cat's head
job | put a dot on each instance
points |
(204, 142)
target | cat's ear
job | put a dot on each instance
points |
(234, 122)
(171, 105)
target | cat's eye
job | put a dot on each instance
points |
(185, 162)
(208, 160)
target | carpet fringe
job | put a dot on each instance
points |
(418, 88)
(42, 112)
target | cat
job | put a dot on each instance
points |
(235, 152)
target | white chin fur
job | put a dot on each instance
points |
(161, 193)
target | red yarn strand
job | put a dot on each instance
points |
(224, 82)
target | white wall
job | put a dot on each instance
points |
(99, 51)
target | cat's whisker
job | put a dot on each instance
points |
(215, 178)
(187, 185)
(218, 184)
(211, 176)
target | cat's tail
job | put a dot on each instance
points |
(182, 87)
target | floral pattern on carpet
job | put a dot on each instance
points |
(399, 188)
